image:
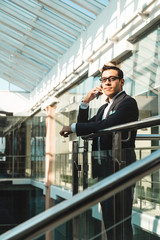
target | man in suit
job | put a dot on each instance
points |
(119, 108)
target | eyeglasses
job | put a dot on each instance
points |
(110, 79)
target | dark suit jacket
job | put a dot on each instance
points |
(123, 110)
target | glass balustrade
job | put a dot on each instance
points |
(17, 166)
(144, 217)
(144, 204)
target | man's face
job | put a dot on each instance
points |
(111, 88)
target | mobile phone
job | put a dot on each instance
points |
(98, 94)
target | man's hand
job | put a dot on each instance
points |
(66, 131)
(92, 94)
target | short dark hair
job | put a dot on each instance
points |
(120, 72)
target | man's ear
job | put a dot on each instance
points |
(122, 82)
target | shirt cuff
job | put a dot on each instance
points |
(73, 127)
(84, 105)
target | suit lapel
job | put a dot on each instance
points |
(116, 100)
(100, 114)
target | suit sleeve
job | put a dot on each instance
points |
(127, 111)
(84, 115)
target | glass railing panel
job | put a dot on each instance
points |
(22, 166)
(102, 164)
(84, 226)
(38, 168)
(146, 207)
(62, 170)
(125, 222)
(144, 152)
(145, 199)
(15, 166)
(147, 194)
(116, 216)
(147, 190)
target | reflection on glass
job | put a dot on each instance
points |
(144, 217)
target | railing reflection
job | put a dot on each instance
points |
(63, 168)
(63, 171)
(38, 168)
(147, 195)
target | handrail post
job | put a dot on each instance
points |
(85, 165)
(117, 149)
(75, 167)
(84, 215)
(13, 166)
(119, 199)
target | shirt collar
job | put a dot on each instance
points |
(111, 101)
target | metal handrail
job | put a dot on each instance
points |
(82, 201)
(148, 137)
(147, 122)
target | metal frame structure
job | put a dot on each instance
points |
(36, 33)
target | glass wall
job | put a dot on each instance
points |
(23, 148)
(37, 137)
(142, 80)
(22, 155)
(15, 151)
(142, 71)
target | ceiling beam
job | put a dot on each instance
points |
(19, 76)
(16, 82)
(54, 44)
(88, 6)
(22, 60)
(15, 68)
(70, 14)
(38, 13)
(27, 44)
(40, 26)
(35, 57)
